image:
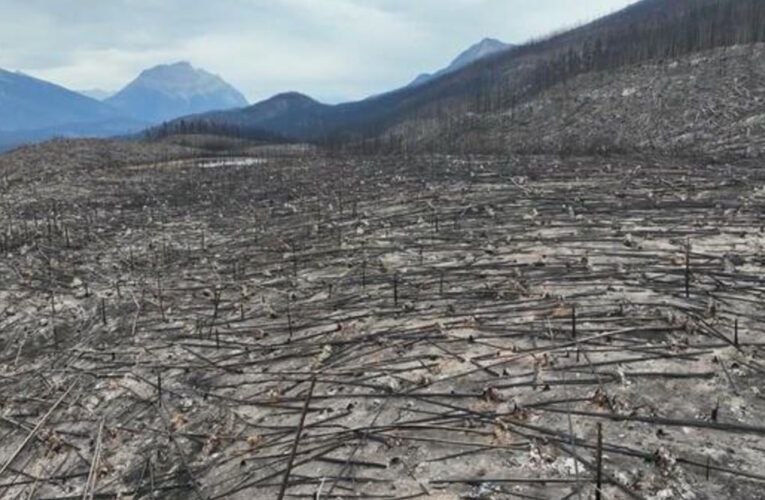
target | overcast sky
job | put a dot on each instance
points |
(331, 49)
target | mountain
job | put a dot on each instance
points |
(587, 89)
(97, 94)
(36, 110)
(482, 49)
(289, 114)
(27, 103)
(495, 100)
(292, 115)
(299, 117)
(169, 91)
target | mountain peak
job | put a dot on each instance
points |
(480, 50)
(184, 66)
(492, 41)
(176, 73)
(281, 104)
(168, 91)
(294, 97)
(490, 46)
(484, 48)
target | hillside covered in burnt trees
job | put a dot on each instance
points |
(654, 32)
(538, 276)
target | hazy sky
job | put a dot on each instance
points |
(331, 49)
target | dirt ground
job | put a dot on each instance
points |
(398, 327)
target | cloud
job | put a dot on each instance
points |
(331, 49)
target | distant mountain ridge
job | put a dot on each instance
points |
(459, 111)
(482, 49)
(33, 110)
(296, 116)
(169, 91)
(27, 103)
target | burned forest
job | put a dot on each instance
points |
(309, 326)
(535, 274)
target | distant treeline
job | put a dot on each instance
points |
(201, 126)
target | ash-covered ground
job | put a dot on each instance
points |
(397, 327)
